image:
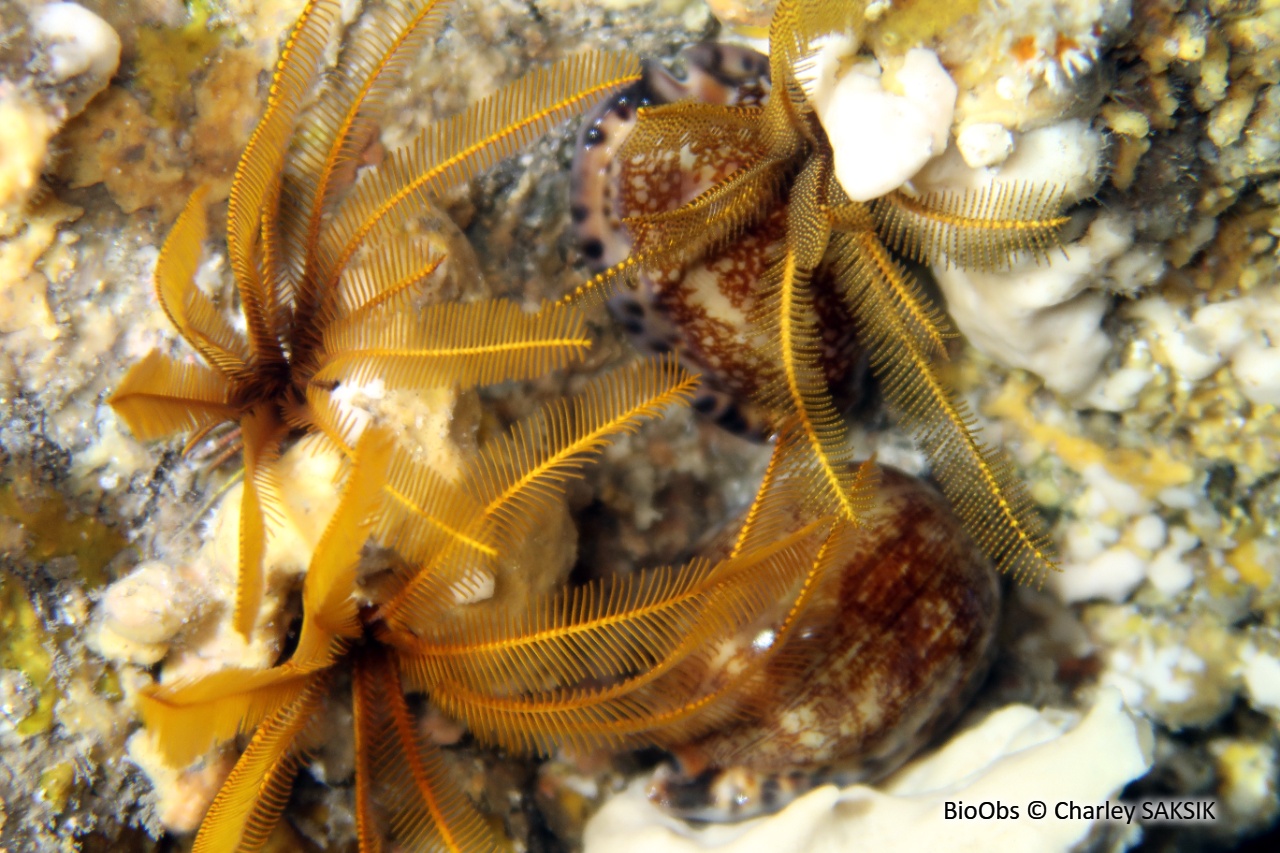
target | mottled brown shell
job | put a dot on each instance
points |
(699, 310)
(917, 613)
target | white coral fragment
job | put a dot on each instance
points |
(1067, 155)
(1042, 317)
(1256, 367)
(1261, 673)
(1016, 755)
(984, 143)
(884, 127)
(1045, 314)
(79, 41)
(1238, 333)
(79, 48)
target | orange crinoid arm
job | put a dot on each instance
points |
(329, 277)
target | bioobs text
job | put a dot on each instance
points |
(985, 810)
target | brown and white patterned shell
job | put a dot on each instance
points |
(700, 310)
(918, 606)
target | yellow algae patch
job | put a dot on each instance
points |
(51, 530)
(22, 647)
(1228, 427)
(1150, 470)
(55, 782)
(1248, 772)
(166, 60)
(129, 146)
(918, 22)
(1244, 558)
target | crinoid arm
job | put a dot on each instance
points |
(425, 808)
(795, 33)
(785, 316)
(425, 513)
(259, 510)
(454, 344)
(249, 804)
(921, 319)
(328, 592)
(160, 397)
(190, 717)
(452, 151)
(254, 245)
(747, 185)
(333, 135)
(596, 631)
(785, 492)
(190, 311)
(704, 225)
(625, 662)
(323, 414)
(977, 479)
(797, 25)
(974, 229)
(603, 630)
(387, 281)
(369, 723)
(714, 219)
(515, 476)
(795, 624)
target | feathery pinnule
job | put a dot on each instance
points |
(454, 344)
(515, 476)
(159, 397)
(980, 229)
(527, 681)
(786, 309)
(924, 321)
(794, 30)
(424, 513)
(370, 682)
(252, 244)
(426, 809)
(190, 311)
(331, 140)
(259, 510)
(977, 479)
(682, 235)
(251, 800)
(189, 718)
(387, 281)
(452, 151)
